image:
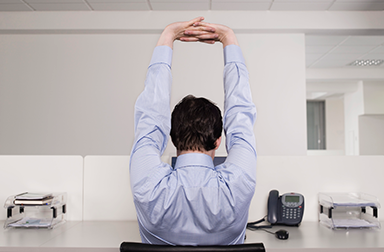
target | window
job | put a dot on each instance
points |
(316, 125)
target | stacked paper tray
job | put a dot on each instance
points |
(348, 210)
(35, 210)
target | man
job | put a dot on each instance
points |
(194, 203)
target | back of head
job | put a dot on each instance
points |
(196, 124)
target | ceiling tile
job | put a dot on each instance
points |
(323, 40)
(10, 1)
(374, 56)
(179, 1)
(116, 1)
(361, 1)
(119, 6)
(243, 1)
(318, 49)
(300, 6)
(364, 40)
(313, 56)
(309, 63)
(180, 5)
(379, 50)
(331, 63)
(353, 49)
(343, 56)
(55, 1)
(357, 6)
(60, 6)
(14, 7)
(252, 6)
(302, 1)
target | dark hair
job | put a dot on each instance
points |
(196, 124)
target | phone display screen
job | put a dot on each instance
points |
(292, 198)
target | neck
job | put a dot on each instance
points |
(210, 153)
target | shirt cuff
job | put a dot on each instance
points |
(162, 54)
(232, 53)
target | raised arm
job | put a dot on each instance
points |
(239, 110)
(152, 108)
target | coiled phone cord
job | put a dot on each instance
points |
(253, 225)
(280, 234)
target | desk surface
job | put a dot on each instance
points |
(108, 235)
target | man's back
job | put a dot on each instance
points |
(194, 205)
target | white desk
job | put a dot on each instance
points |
(108, 235)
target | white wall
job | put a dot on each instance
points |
(363, 129)
(73, 94)
(70, 94)
(353, 107)
(371, 135)
(374, 97)
(334, 120)
(371, 124)
(277, 70)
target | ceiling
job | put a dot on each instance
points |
(321, 51)
(340, 51)
(158, 5)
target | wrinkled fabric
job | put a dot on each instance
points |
(194, 203)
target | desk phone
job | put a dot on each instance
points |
(287, 209)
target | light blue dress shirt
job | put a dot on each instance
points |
(195, 203)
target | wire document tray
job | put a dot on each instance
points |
(29, 210)
(348, 210)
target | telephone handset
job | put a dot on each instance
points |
(287, 209)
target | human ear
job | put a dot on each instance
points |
(217, 143)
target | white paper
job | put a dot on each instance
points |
(352, 223)
(32, 222)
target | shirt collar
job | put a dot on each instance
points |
(194, 159)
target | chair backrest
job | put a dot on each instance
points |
(141, 247)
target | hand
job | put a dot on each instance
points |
(176, 31)
(224, 34)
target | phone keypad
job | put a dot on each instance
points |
(290, 213)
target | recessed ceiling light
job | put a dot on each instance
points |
(366, 62)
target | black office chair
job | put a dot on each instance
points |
(141, 247)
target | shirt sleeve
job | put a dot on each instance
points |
(239, 116)
(152, 121)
